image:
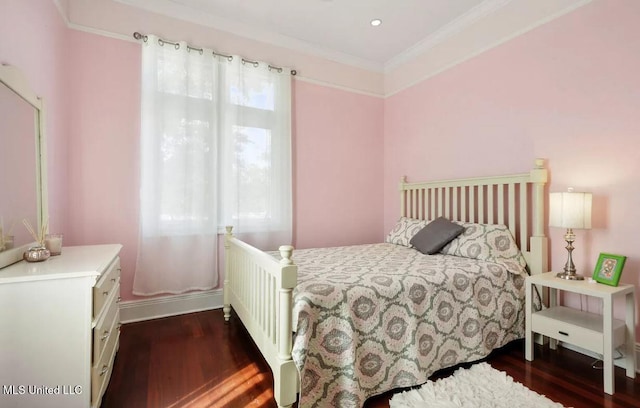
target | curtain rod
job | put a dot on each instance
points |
(161, 41)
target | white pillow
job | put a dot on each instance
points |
(404, 230)
(487, 242)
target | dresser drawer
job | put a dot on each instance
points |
(104, 328)
(101, 370)
(105, 285)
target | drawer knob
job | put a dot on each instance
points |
(113, 280)
(105, 293)
(105, 368)
(105, 335)
(119, 299)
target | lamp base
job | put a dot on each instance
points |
(569, 276)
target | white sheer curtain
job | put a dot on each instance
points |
(215, 151)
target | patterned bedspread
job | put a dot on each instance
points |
(372, 318)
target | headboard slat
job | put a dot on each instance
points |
(463, 203)
(512, 208)
(500, 203)
(455, 203)
(481, 217)
(447, 212)
(490, 208)
(472, 204)
(524, 224)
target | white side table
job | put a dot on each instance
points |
(600, 334)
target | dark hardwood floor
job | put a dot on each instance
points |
(196, 360)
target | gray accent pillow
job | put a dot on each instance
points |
(436, 235)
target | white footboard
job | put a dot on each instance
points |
(260, 290)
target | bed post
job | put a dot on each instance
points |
(539, 244)
(225, 289)
(289, 277)
(403, 207)
(285, 383)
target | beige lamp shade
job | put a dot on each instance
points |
(570, 210)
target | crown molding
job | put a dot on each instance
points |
(477, 13)
(62, 10)
(103, 33)
(328, 84)
(446, 65)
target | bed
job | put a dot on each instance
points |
(338, 325)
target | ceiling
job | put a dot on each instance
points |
(337, 28)
(340, 30)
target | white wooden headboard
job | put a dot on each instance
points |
(515, 200)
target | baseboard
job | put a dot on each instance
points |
(154, 308)
(618, 362)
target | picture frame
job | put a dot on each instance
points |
(609, 268)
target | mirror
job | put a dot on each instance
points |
(22, 181)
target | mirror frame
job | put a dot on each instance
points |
(13, 78)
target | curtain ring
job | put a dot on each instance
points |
(139, 36)
(227, 57)
(254, 63)
(177, 45)
(160, 42)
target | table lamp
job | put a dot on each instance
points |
(570, 210)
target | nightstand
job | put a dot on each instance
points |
(600, 334)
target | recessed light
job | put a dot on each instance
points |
(376, 22)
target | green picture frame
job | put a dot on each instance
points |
(609, 268)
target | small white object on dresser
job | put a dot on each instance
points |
(59, 328)
(600, 334)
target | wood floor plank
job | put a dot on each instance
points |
(196, 361)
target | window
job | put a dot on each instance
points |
(215, 151)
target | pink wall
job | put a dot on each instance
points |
(33, 38)
(567, 92)
(338, 167)
(103, 146)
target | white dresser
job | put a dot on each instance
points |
(59, 328)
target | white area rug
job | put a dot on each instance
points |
(478, 386)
